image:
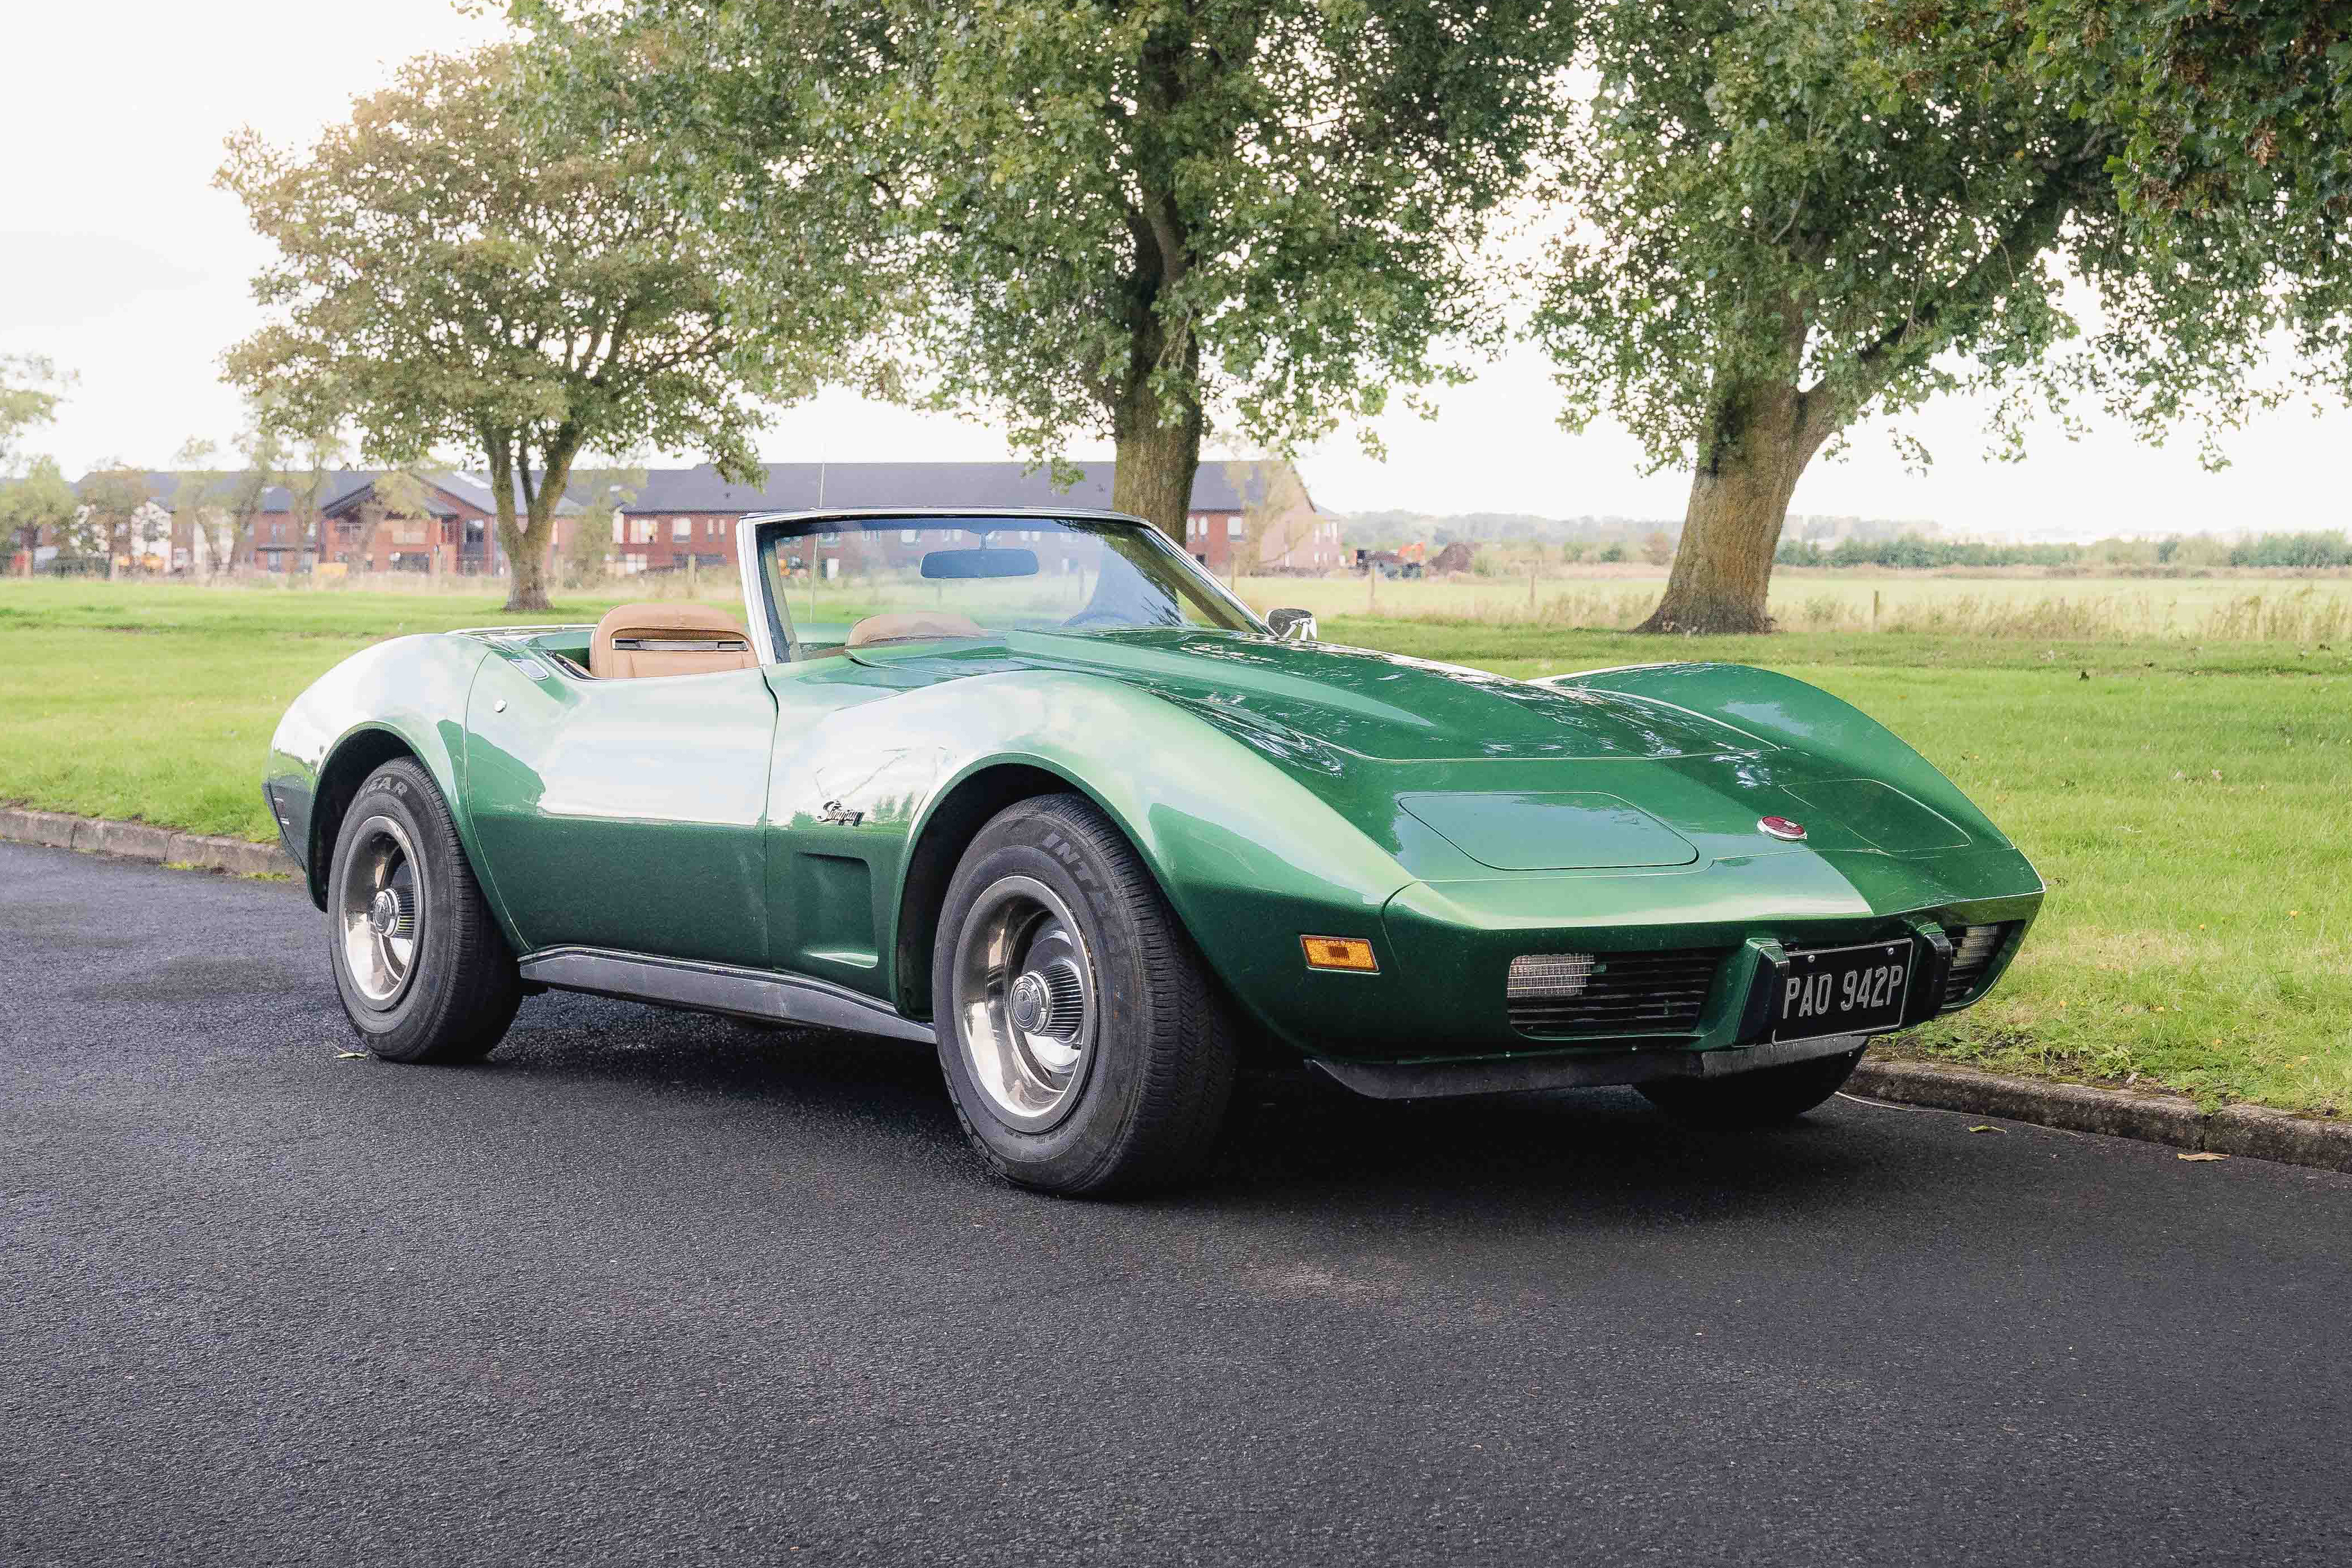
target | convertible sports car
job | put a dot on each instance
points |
(1038, 790)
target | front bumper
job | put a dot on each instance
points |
(1445, 951)
(1579, 1069)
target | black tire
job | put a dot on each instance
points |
(1141, 1105)
(457, 991)
(1746, 1101)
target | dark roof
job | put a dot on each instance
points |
(805, 487)
(163, 487)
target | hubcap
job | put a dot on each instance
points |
(377, 913)
(1025, 997)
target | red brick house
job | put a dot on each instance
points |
(1255, 512)
(692, 514)
(457, 532)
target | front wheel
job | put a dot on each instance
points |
(1746, 1100)
(1083, 1045)
(424, 972)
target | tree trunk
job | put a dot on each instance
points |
(529, 541)
(1157, 457)
(526, 576)
(1758, 444)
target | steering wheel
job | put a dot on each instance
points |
(1084, 616)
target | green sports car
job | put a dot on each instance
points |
(1034, 788)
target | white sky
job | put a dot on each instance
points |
(119, 259)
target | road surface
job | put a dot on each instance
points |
(652, 1288)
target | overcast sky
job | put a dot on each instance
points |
(127, 265)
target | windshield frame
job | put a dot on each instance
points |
(768, 615)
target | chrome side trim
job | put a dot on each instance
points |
(758, 994)
(1585, 1070)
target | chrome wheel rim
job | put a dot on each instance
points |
(380, 913)
(1025, 1003)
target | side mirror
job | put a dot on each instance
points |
(1292, 625)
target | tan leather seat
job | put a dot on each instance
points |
(667, 639)
(912, 626)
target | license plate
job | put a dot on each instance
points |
(1843, 990)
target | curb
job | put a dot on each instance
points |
(141, 842)
(2252, 1132)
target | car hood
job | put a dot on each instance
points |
(1458, 773)
(1378, 707)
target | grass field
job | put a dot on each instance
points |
(2214, 609)
(2190, 801)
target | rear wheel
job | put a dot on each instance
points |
(1083, 1044)
(1745, 1100)
(423, 970)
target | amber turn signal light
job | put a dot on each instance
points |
(1352, 954)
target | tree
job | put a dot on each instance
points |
(603, 492)
(2233, 125)
(115, 503)
(31, 388)
(2243, 108)
(1110, 219)
(309, 473)
(457, 272)
(218, 505)
(41, 498)
(1801, 214)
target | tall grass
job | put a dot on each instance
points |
(2305, 616)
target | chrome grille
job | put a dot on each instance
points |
(1974, 947)
(1553, 994)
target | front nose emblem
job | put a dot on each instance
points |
(1780, 828)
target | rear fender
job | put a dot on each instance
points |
(407, 697)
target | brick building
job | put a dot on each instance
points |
(692, 514)
(449, 524)
(1256, 514)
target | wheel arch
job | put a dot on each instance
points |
(937, 848)
(1245, 856)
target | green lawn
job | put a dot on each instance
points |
(2191, 805)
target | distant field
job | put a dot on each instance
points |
(2187, 799)
(2269, 609)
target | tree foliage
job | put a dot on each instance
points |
(457, 273)
(1799, 215)
(39, 498)
(113, 518)
(2232, 125)
(31, 387)
(1131, 220)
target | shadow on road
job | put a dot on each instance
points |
(1598, 1157)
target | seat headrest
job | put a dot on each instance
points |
(912, 625)
(667, 639)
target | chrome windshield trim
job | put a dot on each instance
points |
(756, 597)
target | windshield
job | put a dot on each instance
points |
(854, 582)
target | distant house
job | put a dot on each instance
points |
(682, 515)
(454, 529)
(1255, 513)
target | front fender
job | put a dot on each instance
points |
(407, 695)
(1249, 857)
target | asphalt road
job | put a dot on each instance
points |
(651, 1287)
